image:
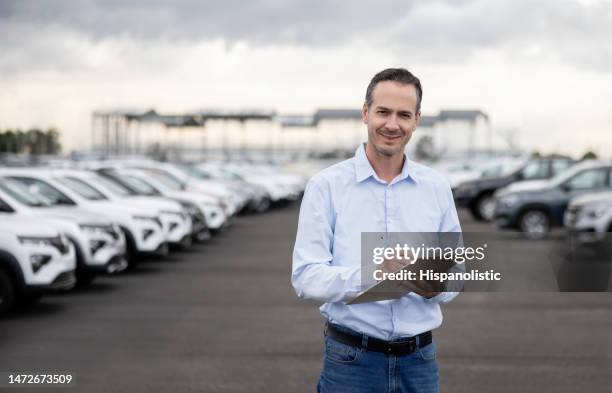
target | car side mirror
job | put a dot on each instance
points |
(518, 176)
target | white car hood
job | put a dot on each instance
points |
(209, 187)
(76, 214)
(26, 227)
(194, 197)
(123, 208)
(603, 197)
(154, 202)
(527, 185)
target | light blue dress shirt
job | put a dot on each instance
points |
(339, 204)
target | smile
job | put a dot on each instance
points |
(390, 136)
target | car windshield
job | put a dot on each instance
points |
(228, 174)
(44, 190)
(112, 186)
(502, 169)
(81, 188)
(140, 185)
(166, 179)
(565, 175)
(20, 193)
(194, 172)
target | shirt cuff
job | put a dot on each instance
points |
(443, 297)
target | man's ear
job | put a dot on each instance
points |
(364, 113)
(418, 120)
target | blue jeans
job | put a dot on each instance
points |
(348, 369)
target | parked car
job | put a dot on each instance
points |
(180, 180)
(212, 207)
(199, 227)
(461, 171)
(279, 186)
(589, 217)
(33, 258)
(257, 199)
(99, 244)
(141, 226)
(534, 207)
(175, 220)
(477, 195)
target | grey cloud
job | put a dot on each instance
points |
(437, 31)
(567, 30)
(310, 22)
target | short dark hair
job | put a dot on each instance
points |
(399, 75)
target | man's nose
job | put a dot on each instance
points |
(392, 123)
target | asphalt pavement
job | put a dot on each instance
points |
(222, 317)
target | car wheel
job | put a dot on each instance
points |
(485, 205)
(7, 292)
(263, 205)
(535, 224)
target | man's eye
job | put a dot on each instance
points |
(382, 112)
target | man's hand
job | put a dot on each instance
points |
(421, 288)
(393, 265)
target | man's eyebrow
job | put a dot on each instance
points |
(384, 108)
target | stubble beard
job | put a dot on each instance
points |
(389, 152)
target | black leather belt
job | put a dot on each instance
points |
(397, 348)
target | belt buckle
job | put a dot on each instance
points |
(395, 348)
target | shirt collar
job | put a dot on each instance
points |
(363, 168)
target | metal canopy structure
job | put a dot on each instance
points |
(115, 126)
(114, 131)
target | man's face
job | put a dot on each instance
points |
(392, 117)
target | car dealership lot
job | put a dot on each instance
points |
(222, 317)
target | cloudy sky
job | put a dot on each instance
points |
(542, 68)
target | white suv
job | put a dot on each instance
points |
(33, 258)
(142, 227)
(99, 244)
(176, 221)
(589, 217)
(212, 207)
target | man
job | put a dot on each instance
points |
(384, 346)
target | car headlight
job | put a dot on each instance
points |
(36, 241)
(93, 228)
(171, 212)
(58, 242)
(509, 200)
(595, 212)
(148, 219)
(191, 209)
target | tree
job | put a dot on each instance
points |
(589, 155)
(34, 141)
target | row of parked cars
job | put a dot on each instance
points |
(64, 224)
(542, 193)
